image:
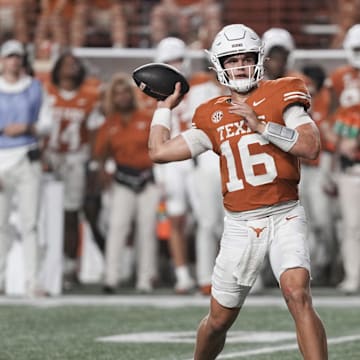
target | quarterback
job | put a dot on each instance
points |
(259, 132)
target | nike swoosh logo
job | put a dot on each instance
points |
(291, 217)
(257, 103)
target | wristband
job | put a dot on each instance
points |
(162, 116)
(281, 136)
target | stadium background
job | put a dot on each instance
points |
(312, 24)
(69, 327)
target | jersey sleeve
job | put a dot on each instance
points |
(205, 117)
(294, 92)
(347, 122)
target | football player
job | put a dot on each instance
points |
(259, 132)
(344, 86)
(279, 46)
(72, 101)
(176, 179)
(133, 195)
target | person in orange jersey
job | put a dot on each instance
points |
(320, 206)
(67, 148)
(347, 129)
(344, 87)
(279, 45)
(259, 132)
(134, 195)
(176, 179)
(209, 219)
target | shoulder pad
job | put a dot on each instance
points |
(294, 91)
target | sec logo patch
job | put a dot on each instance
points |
(217, 116)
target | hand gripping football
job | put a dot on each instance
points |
(158, 80)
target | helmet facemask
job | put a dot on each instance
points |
(226, 76)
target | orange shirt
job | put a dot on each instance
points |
(127, 144)
(344, 77)
(186, 2)
(254, 172)
(68, 10)
(347, 125)
(70, 131)
(319, 113)
(102, 4)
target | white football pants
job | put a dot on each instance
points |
(349, 201)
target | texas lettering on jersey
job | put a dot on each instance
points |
(247, 160)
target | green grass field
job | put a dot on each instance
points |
(162, 327)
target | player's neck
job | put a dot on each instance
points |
(238, 97)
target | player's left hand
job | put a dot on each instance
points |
(249, 115)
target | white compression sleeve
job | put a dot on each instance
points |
(295, 116)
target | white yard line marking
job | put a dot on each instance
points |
(286, 347)
(188, 337)
(168, 301)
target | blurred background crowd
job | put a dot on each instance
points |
(73, 143)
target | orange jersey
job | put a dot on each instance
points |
(345, 82)
(70, 129)
(347, 122)
(254, 172)
(67, 10)
(186, 2)
(319, 113)
(102, 4)
(347, 125)
(344, 77)
(127, 144)
(319, 105)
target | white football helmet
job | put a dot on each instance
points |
(352, 45)
(169, 49)
(278, 37)
(172, 49)
(237, 39)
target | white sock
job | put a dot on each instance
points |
(182, 273)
